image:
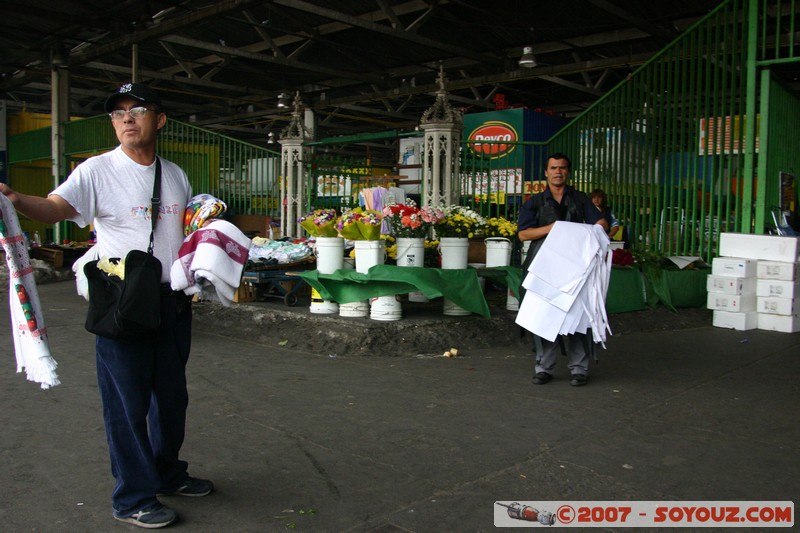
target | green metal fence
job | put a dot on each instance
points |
(334, 182)
(667, 145)
(670, 144)
(243, 175)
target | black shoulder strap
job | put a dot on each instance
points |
(155, 202)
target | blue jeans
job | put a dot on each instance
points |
(143, 392)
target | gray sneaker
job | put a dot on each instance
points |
(191, 487)
(156, 516)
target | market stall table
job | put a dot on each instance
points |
(460, 286)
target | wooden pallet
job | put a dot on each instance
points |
(51, 255)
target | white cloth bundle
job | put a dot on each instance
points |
(210, 262)
(27, 322)
(81, 283)
(567, 283)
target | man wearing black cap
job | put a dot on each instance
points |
(142, 383)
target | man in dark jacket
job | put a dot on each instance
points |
(558, 202)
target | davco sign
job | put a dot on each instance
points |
(493, 138)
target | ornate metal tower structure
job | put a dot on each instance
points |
(294, 185)
(443, 126)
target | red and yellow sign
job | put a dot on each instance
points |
(493, 138)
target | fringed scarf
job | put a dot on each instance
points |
(27, 323)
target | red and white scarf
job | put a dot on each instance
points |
(27, 323)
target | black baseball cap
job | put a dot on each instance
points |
(137, 91)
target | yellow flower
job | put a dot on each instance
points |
(499, 227)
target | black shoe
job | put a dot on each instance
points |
(191, 487)
(579, 380)
(540, 378)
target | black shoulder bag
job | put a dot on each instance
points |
(130, 308)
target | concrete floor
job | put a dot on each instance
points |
(299, 441)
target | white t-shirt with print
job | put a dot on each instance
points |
(112, 192)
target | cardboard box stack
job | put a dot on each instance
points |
(776, 293)
(754, 283)
(732, 292)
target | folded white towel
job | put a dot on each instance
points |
(210, 262)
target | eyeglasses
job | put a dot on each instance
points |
(134, 112)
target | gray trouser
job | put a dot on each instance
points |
(577, 347)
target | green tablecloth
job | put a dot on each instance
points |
(510, 276)
(626, 290)
(345, 286)
(676, 288)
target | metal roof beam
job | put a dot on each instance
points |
(356, 22)
(220, 49)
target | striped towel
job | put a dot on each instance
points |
(210, 262)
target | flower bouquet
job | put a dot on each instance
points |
(621, 258)
(360, 225)
(459, 221)
(499, 227)
(407, 220)
(320, 223)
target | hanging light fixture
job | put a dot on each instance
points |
(283, 100)
(528, 60)
(271, 137)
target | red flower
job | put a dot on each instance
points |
(621, 257)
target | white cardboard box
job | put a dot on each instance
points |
(777, 288)
(785, 324)
(740, 321)
(763, 247)
(730, 284)
(777, 270)
(776, 306)
(718, 301)
(738, 267)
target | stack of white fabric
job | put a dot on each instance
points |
(567, 283)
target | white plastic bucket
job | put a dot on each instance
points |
(385, 308)
(481, 279)
(369, 254)
(411, 253)
(512, 304)
(330, 254)
(451, 309)
(498, 252)
(455, 252)
(417, 297)
(354, 309)
(320, 306)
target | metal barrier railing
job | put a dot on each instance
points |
(243, 175)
